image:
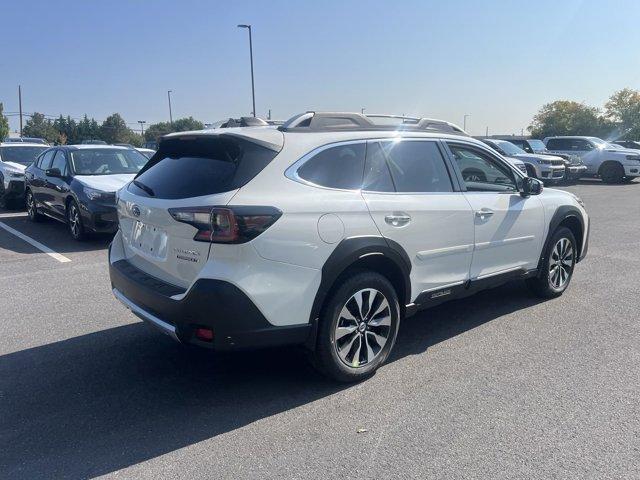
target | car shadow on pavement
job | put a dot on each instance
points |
(50, 233)
(97, 403)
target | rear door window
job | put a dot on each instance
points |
(336, 167)
(194, 167)
(416, 166)
(45, 161)
(558, 144)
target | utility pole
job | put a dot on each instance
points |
(487, 134)
(142, 122)
(269, 116)
(464, 121)
(20, 106)
(362, 110)
(170, 115)
(253, 90)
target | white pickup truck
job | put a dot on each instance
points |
(613, 164)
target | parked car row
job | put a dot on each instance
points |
(582, 156)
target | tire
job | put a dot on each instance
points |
(557, 268)
(351, 348)
(612, 173)
(74, 221)
(32, 209)
(472, 175)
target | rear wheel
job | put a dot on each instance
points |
(612, 173)
(74, 220)
(32, 209)
(557, 269)
(358, 328)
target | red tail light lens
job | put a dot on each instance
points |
(227, 224)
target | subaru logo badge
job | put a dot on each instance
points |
(135, 209)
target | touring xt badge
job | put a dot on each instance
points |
(188, 255)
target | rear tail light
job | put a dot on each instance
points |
(227, 224)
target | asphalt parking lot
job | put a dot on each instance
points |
(500, 385)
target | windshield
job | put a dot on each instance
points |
(508, 147)
(537, 145)
(22, 155)
(106, 161)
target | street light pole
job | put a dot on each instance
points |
(170, 115)
(20, 106)
(362, 111)
(465, 121)
(142, 122)
(253, 90)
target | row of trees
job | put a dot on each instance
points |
(620, 118)
(66, 130)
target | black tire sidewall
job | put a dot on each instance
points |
(328, 360)
(612, 173)
(81, 233)
(560, 233)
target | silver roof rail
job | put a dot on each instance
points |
(349, 121)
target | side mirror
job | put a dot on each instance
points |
(53, 172)
(531, 186)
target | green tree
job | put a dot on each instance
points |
(623, 108)
(67, 129)
(564, 117)
(114, 130)
(87, 130)
(4, 124)
(156, 130)
(40, 127)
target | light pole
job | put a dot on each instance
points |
(170, 115)
(362, 111)
(142, 122)
(465, 121)
(253, 90)
(20, 104)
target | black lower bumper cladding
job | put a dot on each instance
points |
(215, 304)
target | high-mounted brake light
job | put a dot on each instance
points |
(227, 224)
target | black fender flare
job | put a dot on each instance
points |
(348, 252)
(561, 214)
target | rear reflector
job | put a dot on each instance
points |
(204, 334)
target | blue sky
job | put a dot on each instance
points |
(498, 61)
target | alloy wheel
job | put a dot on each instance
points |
(74, 220)
(31, 208)
(561, 263)
(363, 327)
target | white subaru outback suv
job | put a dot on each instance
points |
(327, 231)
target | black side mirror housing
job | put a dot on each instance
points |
(53, 172)
(531, 186)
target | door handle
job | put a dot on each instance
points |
(484, 213)
(397, 219)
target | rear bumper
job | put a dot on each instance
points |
(575, 172)
(14, 189)
(215, 304)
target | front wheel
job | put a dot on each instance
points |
(612, 173)
(74, 220)
(32, 209)
(358, 328)
(557, 268)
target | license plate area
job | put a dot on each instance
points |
(149, 240)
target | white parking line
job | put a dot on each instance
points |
(35, 243)
(12, 214)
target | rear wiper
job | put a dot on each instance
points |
(142, 186)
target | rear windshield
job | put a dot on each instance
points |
(22, 155)
(106, 161)
(192, 167)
